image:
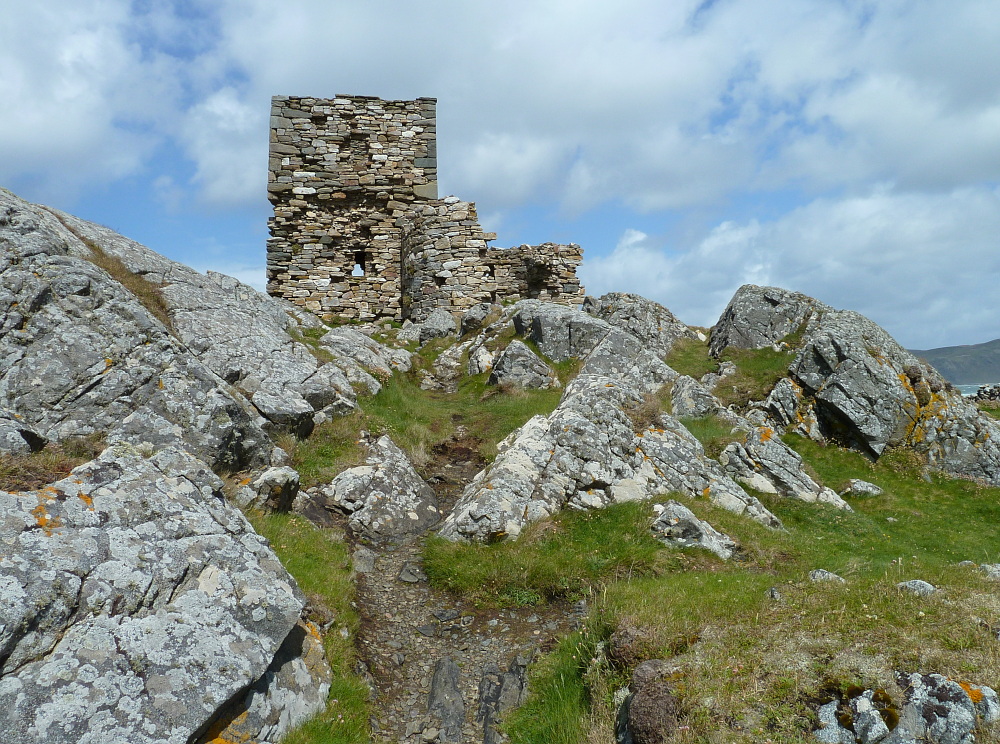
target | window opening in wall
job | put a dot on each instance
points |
(359, 264)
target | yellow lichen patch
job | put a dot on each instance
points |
(706, 492)
(226, 731)
(46, 521)
(766, 433)
(245, 481)
(159, 383)
(313, 630)
(86, 499)
(108, 363)
(975, 694)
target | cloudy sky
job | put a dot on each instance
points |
(843, 148)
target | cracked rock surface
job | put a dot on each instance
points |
(137, 605)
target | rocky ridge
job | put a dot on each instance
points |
(165, 618)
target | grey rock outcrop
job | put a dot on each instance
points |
(273, 489)
(138, 606)
(654, 325)
(821, 574)
(765, 463)
(385, 498)
(519, 366)
(439, 324)
(445, 705)
(16, 437)
(586, 454)
(761, 316)
(690, 399)
(935, 709)
(852, 383)
(561, 332)
(83, 355)
(677, 525)
(475, 316)
(252, 341)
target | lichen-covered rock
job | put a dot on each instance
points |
(586, 454)
(852, 383)
(439, 324)
(17, 437)
(765, 463)
(654, 325)
(917, 586)
(761, 316)
(677, 525)
(273, 489)
(821, 574)
(81, 355)
(357, 353)
(137, 605)
(475, 316)
(385, 498)
(690, 399)
(861, 488)
(519, 366)
(561, 332)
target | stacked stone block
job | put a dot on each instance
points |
(358, 230)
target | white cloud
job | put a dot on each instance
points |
(227, 138)
(923, 266)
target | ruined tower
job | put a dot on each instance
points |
(358, 230)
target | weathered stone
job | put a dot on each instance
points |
(677, 525)
(438, 324)
(765, 463)
(272, 490)
(655, 326)
(138, 604)
(384, 498)
(918, 587)
(821, 574)
(690, 399)
(561, 332)
(445, 705)
(519, 366)
(860, 488)
(586, 454)
(17, 438)
(761, 316)
(83, 355)
(500, 692)
(475, 316)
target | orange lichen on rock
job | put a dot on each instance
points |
(975, 693)
(766, 433)
(86, 499)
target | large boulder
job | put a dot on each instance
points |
(677, 526)
(519, 366)
(254, 342)
(654, 325)
(137, 605)
(560, 332)
(385, 499)
(586, 454)
(81, 354)
(761, 316)
(852, 383)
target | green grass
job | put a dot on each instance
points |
(757, 370)
(320, 562)
(689, 356)
(713, 433)
(749, 669)
(570, 555)
(416, 420)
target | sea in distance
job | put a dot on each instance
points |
(969, 390)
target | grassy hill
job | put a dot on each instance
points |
(965, 365)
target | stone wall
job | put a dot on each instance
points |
(358, 230)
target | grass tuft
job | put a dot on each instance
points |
(53, 462)
(320, 562)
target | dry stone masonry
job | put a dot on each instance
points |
(358, 230)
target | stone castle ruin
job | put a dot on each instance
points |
(358, 229)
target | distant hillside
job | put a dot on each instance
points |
(965, 365)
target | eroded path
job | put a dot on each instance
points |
(442, 669)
